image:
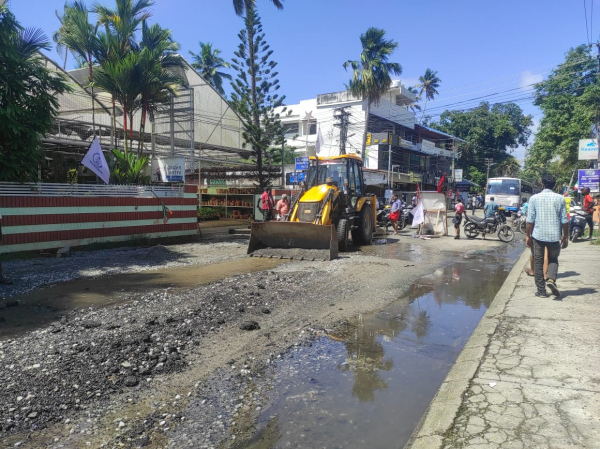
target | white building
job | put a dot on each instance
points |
(418, 154)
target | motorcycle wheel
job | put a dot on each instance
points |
(401, 222)
(471, 230)
(523, 227)
(575, 235)
(506, 234)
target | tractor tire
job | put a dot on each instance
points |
(342, 235)
(364, 233)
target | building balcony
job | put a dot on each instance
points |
(336, 97)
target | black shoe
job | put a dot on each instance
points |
(551, 284)
(541, 294)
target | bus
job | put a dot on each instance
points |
(508, 192)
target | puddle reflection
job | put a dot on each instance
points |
(368, 384)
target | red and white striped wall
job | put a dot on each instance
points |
(47, 216)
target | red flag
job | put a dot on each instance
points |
(441, 183)
(418, 191)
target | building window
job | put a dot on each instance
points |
(313, 128)
(291, 129)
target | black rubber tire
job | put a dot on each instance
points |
(523, 226)
(471, 230)
(575, 235)
(401, 222)
(506, 234)
(363, 235)
(342, 235)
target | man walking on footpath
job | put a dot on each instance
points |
(546, 219)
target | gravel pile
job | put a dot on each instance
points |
(90, 355)
(29, 274)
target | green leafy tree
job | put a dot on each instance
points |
(28, 99)
(371, 75)
(429, 84)
(490, 132)
(255, 94)
(209, 64)
(569, 100)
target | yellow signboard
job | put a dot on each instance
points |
(368, 138)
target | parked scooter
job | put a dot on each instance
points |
(383, 218)
(577, 224)
(519, 221)
(406, 216)
(496, 224)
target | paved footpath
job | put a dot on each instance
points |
(529, 376)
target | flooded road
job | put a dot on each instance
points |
(48, 304)
(368, 384)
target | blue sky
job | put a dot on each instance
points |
(478, 47)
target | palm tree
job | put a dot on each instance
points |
(371, 77)
(159, 82)
(428, 84)
(241, 6)
(124, 20)
(78, 35)
(207, 63)
(412, 105)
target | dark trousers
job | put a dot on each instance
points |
(539, 250)
(267, 215)
(590, 222)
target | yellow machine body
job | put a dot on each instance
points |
(311, 223)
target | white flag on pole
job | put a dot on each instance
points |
(418, 216)
(96, 162)
(319, 142)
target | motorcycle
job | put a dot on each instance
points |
(406, 216)
(496, 224)
(577, 224)
(519, 221)
(383, 219)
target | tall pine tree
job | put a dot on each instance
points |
(254, 93)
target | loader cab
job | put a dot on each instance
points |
(346, 172)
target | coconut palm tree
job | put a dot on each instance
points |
(428, 84)
(412, 105)
(208, 63)
(371, 77)
(78, 35)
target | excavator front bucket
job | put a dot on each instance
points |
(293, 240)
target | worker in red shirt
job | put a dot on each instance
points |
(588, 208)
(267, 204)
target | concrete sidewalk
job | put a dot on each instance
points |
(529, 377)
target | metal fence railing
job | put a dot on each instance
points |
(86, 190)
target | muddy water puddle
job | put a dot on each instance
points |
(49, 304)
(367, 384)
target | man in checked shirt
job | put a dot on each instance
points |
(547, 228)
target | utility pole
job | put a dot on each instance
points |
(343, 116)
(489, 162)
(595, 162)
(283, 163)
(390, 137)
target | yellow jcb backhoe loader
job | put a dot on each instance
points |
(332, 204)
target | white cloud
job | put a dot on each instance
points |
(528, 78)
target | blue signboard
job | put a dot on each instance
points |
(297, 177)
(301, 163)
(589, 178)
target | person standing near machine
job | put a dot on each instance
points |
(588, 208)
(395, 212)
